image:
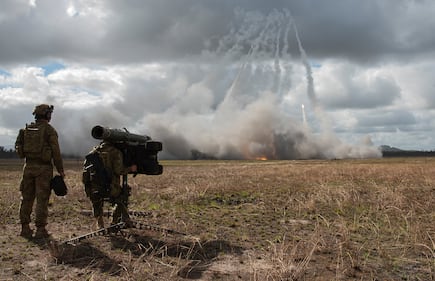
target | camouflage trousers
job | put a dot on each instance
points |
(120, 203)
(35, 184)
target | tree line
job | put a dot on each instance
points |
(7, 153)
(408, 153)
(11, 153)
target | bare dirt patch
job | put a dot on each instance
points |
(245, 220)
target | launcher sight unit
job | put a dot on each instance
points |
(136, 149)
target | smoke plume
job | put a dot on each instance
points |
(232, 102)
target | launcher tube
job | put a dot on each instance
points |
(117, 135)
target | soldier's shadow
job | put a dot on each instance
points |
(84, 255)
(198, 254)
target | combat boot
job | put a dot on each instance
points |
(41, 233)
(26, 231)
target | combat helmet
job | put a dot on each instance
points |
(58, 185)
(43, 111)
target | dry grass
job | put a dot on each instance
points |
(272, 220)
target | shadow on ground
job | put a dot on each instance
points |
(199, 254)
(84, 255)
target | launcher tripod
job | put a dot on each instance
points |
(118, 227)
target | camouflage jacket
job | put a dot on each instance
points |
(43, 149)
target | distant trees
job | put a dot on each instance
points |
(7, 153)
(408, 153)
(11, 153)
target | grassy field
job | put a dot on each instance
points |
(245, 220)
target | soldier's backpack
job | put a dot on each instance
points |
(33, 140)
(96, 178)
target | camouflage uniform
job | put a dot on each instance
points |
(112, 160)
(37, 172)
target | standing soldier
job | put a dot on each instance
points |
(38, 144)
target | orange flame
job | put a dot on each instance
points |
(262, 158)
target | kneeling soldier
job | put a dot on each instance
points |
(103, 168)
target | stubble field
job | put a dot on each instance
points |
(244, 220)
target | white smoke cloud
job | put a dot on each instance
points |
(236, 108)
(236, 100)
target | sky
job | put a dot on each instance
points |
(233, 79)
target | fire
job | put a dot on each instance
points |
(261, 158)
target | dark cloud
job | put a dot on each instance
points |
(133, 31)
(356, 30)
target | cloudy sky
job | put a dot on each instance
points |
(228, 78)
